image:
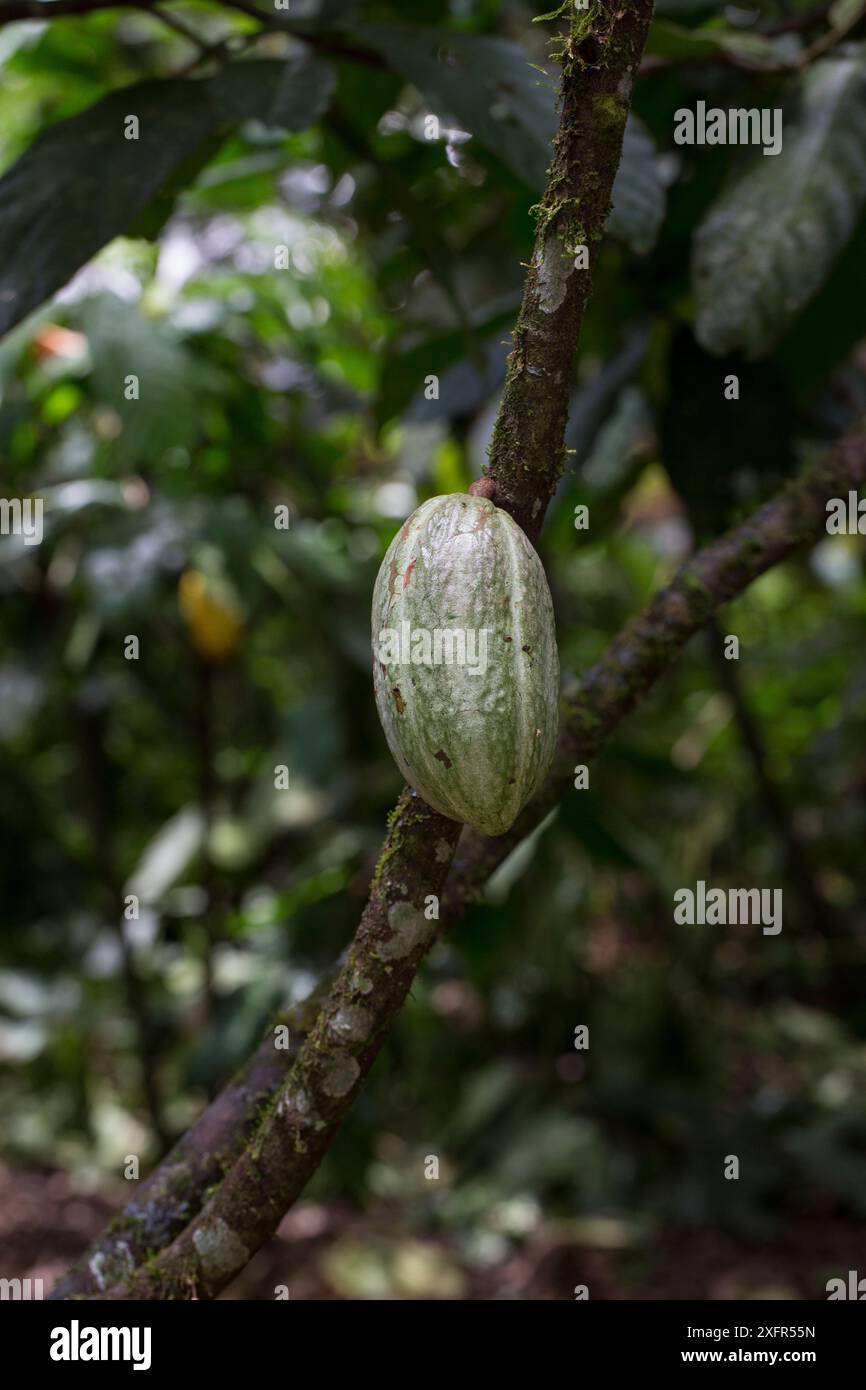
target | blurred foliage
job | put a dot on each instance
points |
(298, 258)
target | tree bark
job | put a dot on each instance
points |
(217, 1233)
(599, 52)
(600, 58)
(301, 1108)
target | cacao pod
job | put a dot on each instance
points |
(466, 671)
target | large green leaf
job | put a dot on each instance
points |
(768, 243)
(285, 96)
(405, 368)
(638, 197)
(173, 382)
(82, 183)
(490, 89)
(486, 84)
(668, 40)
(831, 323)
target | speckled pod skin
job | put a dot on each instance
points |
(474, 735)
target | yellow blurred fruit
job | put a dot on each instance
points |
(213, 619)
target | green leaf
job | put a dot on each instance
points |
(284, 96)
(768, 243)
(483, 83)
(82, 183)
(405, 368)
(167, 855)
(831, 324)
(552, 14)
(638, 198)
(845, 12)
(172, 381)
(669, 40)
(489, 88)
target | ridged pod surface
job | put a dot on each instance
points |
(466, 670)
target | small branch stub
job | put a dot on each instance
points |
(484, 487)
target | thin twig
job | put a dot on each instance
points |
(830, 39)
(798, 23)
(731, 58)
(178, 25)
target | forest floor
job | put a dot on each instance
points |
(327, 1252)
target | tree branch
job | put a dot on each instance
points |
(175, 1191)
(13, 10)
(303, 1110)
(796, 23)
(395, 932)
(173, 21)
(600, 55)
(214, 1235)
(600, 59)
(757, 67)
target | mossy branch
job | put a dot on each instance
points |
(174, 1192)
(302, 1109)
(600, 53)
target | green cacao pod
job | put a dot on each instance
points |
(465, 664)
